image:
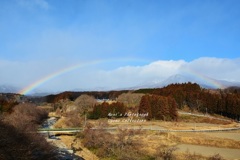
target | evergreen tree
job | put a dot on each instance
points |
(145, 106)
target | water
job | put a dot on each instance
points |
(62, 151)
(48, 123)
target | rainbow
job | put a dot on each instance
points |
(39, 82)
(53, 75)
(204, 78)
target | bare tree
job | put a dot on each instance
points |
(19, 134)
(73, 119)
(25, 117)
(85, 103)
(130, 100)
(121, 145)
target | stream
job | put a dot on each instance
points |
(62, 151)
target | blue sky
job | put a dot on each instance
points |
(47, 35)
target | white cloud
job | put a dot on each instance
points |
(31, 4)
(91, 76)
(42, 3)
(162, 68)
(218, 68)
(129, 76)
(24, 73)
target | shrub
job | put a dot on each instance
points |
(165, 153)
(216, 157)
(19, 138)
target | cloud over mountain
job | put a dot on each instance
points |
(94, 75)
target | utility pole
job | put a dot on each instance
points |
(85, 120)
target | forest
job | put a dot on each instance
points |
(19, 137)
(223, 102)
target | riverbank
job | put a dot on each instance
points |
(77, 147)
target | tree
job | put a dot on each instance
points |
(145, 106)
(130, 100)
(85, 103)
(19, 138)
(172, 108)
(122, 145)
(26, 117)
(155, 107)
(159, 107)
(103, 110)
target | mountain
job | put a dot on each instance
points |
(8, 89)
(178, 78)
(229, 84)
(208, 83)
(13, 89)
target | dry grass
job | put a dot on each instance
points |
(189, 156)
(203, 139)
(53, 114)
(107, 101)
(152, 139)
(48, 107)
(196, 119)
(156, 124)
(61, 123)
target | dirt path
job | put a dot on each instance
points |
(231, 154)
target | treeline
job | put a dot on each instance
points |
(105, 110)
(19, 137)
(224, 102)
(158, 107)
(74, 95)
(153, 106)
(6, 106)
(232, 90)
(9, 100)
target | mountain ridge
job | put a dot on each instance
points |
(156, 83)
(179, 78)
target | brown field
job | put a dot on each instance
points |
(199, 144)
(226, 135)
(230, 154)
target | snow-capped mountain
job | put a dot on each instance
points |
(178, 78)
(229, 83)
(8, 89)
(13, 89)
(209, 83)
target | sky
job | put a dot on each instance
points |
(58, 45)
